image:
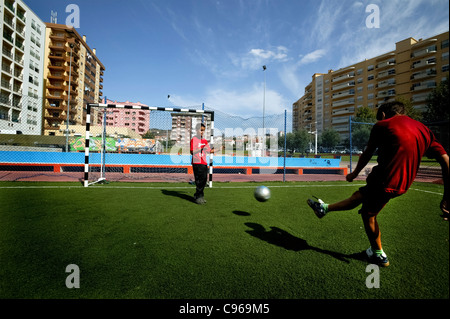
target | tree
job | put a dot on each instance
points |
(437, 103)
(361, 132)
(149, 134)
(409, 109)
(297, 140)
(330, 138)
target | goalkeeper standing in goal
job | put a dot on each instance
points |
(199, 149)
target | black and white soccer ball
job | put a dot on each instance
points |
(262, 193)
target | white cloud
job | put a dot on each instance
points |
(312, 57)
(244, 103)
(255, 58)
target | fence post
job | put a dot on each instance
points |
(284, 164)
(350, 133)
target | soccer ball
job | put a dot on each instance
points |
(262, 193)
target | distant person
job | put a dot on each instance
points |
(199, 150)
(401, 143)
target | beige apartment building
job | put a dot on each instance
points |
(71, 68)
(21, 55)
(411, 71)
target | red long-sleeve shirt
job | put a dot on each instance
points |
(196, 145)
(401, 142)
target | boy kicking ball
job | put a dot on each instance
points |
(401, 143)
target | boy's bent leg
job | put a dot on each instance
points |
(347, 204)
(321, 209)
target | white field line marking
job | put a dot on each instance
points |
(192, 187)
(421, 190)
(169, 187)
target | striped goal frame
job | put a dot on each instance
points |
(150, 108)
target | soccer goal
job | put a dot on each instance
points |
(142, 143)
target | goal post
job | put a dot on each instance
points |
(112, 156)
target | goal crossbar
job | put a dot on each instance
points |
(139, 107)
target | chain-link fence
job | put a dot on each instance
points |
(133, 143)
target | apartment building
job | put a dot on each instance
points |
(411, 71)
(184, 127)
(73, 77)
(22, 50)
(134, 120)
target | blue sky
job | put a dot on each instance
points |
(212, 51)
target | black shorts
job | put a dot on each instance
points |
(374, 199)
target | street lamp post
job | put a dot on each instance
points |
(68, 99)
(315, 136)
(264, 97)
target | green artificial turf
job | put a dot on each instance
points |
(143, 240)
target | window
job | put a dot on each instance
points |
(370, 77)
(444, 44)
(370, 68)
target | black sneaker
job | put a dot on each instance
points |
(380, 260)
(317, 207)
(200, 200)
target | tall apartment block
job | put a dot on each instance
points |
(73, 77)
(134, 120)
(22, 58)
(411, 71)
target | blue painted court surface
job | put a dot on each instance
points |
(15, 157)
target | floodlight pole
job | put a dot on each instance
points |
(264, 111)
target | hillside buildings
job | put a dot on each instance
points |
(411, 71)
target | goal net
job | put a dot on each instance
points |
(138, 142)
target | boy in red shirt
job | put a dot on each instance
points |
(401, 143)
(199, 149)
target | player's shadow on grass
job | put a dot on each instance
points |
(282, 238)
(178, 194)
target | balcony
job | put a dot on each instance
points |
(385, 73)
(347, 110)
(424, 74)
(423, 52)
(57, 86)
(424, 63)
(56, 76)
(54, 96)
(385, 64)
(423, 86)
(343, 94)
(342, 85)
(60, 36)
(419, 97)
(56, 66)
(343, 77)
(56, 56)
(57, 46)
(386, 83)
(385, 94)
(10, 6)
(343, 102)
